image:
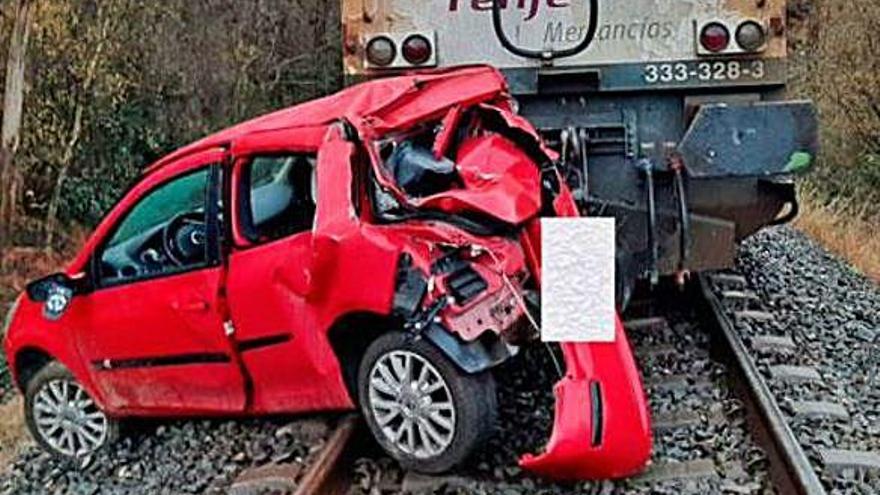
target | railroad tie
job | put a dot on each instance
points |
(668, 471)
(655, 351)
(739, 299)
(729, 280)
(670, 383)
(666, 353)
(280, 478)
(773, 344)
(794, 374)
(740, 295)
(819, 409)
(673, 420)
(761, 316)
(838, 460)
(645, 323)
(423, 483)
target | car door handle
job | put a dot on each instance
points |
(191, 306)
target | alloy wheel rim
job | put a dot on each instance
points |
(412, 404)
(68, 419)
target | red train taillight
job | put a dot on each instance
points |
(417, 49)
(715, 37)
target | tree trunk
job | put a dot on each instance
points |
(13, 105)
(69, 153)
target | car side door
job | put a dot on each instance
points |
(154, 335)
(268, 284)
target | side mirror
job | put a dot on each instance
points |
(56, 292)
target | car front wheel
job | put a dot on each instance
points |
(420, 407)
(62, 417)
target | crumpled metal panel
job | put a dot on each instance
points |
(601, 427)
(602, 422)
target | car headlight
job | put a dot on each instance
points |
(8, 320)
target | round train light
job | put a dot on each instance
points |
(715, 37)
(417, 49)
(750, 36)
(381, 51)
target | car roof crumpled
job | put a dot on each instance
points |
(380, 105)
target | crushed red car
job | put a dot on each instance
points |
(378, 248)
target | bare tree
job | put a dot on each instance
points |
(113, 84)
(13, 105)
(89, 76)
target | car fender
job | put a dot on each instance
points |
(31, 331)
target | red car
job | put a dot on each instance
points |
(377, 248)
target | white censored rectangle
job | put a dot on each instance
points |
(577, 286)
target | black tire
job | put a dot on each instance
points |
(56, 372)
(472, 396)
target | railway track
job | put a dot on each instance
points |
(717, 424)
(702, 438)
(791, 470)
(827, 402)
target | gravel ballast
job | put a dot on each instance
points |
(200, 456)
(832, 314)
(6, 388)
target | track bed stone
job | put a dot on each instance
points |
(831, 314)
(200, 456)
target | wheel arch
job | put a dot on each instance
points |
(28, 362)
(472, 357)
(32, 357)
(349, 337)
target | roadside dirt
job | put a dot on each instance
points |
(13, 436)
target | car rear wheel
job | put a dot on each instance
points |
(420, 407)
(62, 417)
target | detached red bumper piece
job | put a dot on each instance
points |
(602, 426)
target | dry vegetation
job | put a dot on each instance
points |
(845, 227)
(13, 436)
(20, 265)
(837, 63)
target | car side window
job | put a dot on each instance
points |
(165, 232)
(278, 196)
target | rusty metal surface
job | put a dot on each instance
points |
(326, 475)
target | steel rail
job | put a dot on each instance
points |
(789, 466)
(327, 474)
